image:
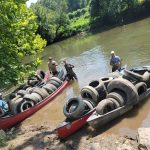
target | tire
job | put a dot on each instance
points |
(29, 89)
(33, 97)
(15, 107)
(141, 88)
(106, 80)
(56, 79)
(78, 111)
(125, 86)
(91, 93)
(55, 83)
(132, 75)
(50, 88)
(100, 88)
(33, 82)
(41, 91)
(117, 97)
(115, 102)
(26, 105)
(104, 106)
(11, 102)
(22, 92)
(114, 74)
(146, 76)
(88, 105)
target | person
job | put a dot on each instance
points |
(3, 106)
(50, 59)
(115, 62)
(69, 69)
(54, 69)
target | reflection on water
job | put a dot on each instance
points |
(90, 55)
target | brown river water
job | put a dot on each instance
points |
(90, 54)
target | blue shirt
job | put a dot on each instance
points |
(3, 105)
(114, 60)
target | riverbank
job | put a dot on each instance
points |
(42, 136)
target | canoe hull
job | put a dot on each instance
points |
(8, 122)
(68, 128)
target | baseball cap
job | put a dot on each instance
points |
(112, 52)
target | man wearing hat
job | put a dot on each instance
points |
(54, 68)
(3, 106)
(115, 62)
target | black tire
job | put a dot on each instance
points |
(26, 105)
(29, 89)
(141, 88)
(106, 80)
(22, 92)
(55, 83)
(115, 102)
(125, 86)
(100, 88)
(90, 93)
(33, 97)
(50, 88)
(104, 106)
(117, 97)
(33, 82)
(15, 107)
(88, 105)
(78, 111)
(134, 75)
(56, 79)
(41, 91)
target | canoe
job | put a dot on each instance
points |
(9, 121)
(67, 128)
(96, 120)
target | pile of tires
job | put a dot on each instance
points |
(136, 78)
(75, 107)
(120, 92)
(94, 92)
(29, 97)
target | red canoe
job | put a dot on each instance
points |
(8, 122)
(68, 128)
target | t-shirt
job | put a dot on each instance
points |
(3, 105)
(115, 60)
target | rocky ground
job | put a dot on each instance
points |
(43, 137)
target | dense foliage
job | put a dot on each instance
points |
(18, 39)
(57, 20)
(63, 18)
(110, 12)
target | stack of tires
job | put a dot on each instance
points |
(91, 95)
(26, 99)
(120, 92)
(136, 78)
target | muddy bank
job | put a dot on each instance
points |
(43, 136)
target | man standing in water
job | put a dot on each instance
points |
(69, 69)
(115, 62)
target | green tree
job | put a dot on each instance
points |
(18, 39)
(52, 18)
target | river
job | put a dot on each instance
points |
(90, 54)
